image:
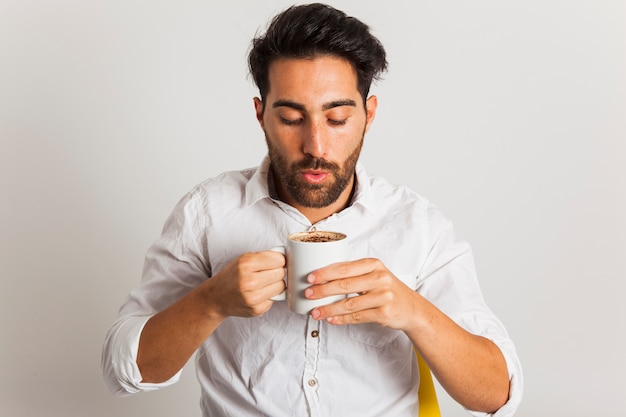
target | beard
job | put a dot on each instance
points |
(313, 195)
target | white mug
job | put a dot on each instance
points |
(305, 253)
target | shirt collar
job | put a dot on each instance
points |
(363, 195)
(259, 188)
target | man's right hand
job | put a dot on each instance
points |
(243, 288)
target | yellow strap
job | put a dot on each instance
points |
(428, 404)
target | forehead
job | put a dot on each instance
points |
(312, 80)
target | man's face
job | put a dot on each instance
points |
(314, 122)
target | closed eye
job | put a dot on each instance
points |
(290, 122)
(338, 122)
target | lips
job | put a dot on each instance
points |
(315, 176)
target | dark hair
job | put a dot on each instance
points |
(311, 30)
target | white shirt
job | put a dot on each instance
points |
(286, 364)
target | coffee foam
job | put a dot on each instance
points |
(317, 237)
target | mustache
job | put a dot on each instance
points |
(315, 163)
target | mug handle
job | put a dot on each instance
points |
(283, 295)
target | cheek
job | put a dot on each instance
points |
(350, 141)
(281, 140)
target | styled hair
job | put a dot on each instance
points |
(311, 30)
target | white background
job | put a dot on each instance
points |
(509, 115)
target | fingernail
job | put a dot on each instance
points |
(310, 278)
(308, 292)
(315, 313)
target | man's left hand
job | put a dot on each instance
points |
(382, 298)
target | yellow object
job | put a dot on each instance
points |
(426, 394)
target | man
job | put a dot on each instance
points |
(208, 281)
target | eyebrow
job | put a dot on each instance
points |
(288, 103)
(325, 106)
(339, 103)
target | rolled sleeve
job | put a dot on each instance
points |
(450, 282)
(119, 358)
(174, 265)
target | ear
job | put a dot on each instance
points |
(371, 104)
(258, 108)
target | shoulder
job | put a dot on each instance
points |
(216, 196)
(400, 202)
(397, 195)
(226, 182)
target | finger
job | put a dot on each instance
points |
(263, 287)
(363, 316)
(353, 285)
(273, 290)
(348, 306)
(346, 286)
(361, 309)
(343, 270)
(270, 259)
(258, 310)
(268, 280)
(250, 264)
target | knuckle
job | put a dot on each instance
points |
(383, 279)
(246, 285)
(259, 309)
(357, 316)
(253, 300)
(344, 269)
(244, 261)
(388, 296)
(350, 303)
(345, 285)
(374, 263)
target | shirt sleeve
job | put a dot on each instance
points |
(119, 359)
(174, 265)
(449, 281)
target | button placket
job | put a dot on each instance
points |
(310, 382)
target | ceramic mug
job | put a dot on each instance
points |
(305, 253)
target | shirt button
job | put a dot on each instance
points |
(315, 333)
(312, 382)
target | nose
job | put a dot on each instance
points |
(314, 142)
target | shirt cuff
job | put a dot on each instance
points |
(124, 358)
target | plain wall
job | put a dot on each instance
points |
(509, 115)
